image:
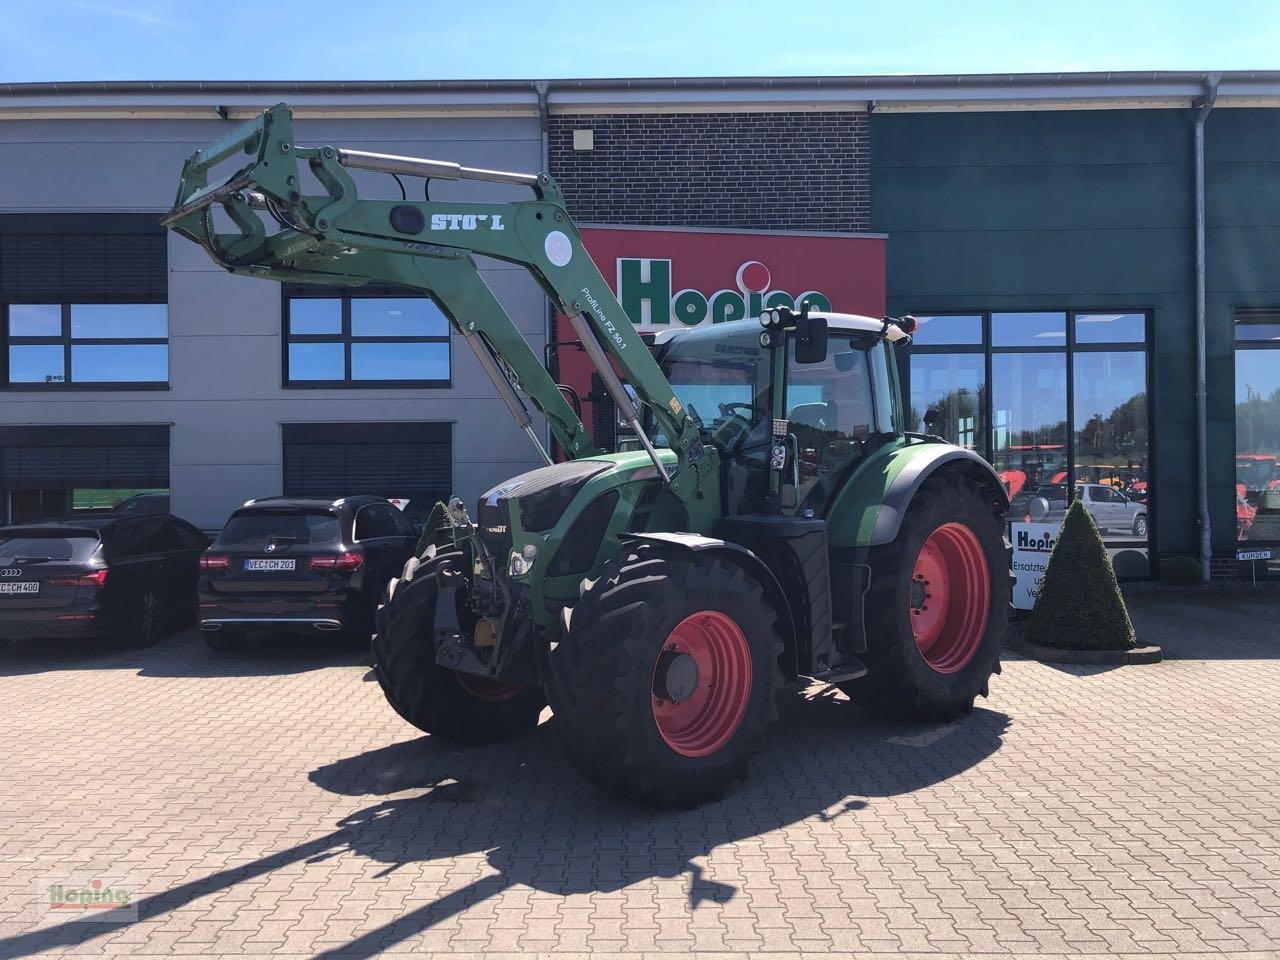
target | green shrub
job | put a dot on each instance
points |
(1080, 606)
(1180, 571)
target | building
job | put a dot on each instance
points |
(1043, 227)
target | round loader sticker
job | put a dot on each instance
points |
(559, 249)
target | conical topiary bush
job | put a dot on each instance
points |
(1079, 606)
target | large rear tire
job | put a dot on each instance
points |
(448, 704)
(937, 607)
(667, 680)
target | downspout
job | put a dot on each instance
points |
(542, 88)
(1203, 105)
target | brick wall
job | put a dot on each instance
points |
(772, 171)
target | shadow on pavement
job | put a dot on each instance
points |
(825, 760)
(185, 654)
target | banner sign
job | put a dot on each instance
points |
(666, 277)
(672, 278)
(1031, 545)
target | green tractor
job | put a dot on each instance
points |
(774, 522)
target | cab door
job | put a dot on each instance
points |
(837, 411)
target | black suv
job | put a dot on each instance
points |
(286, 563)
(98, 577)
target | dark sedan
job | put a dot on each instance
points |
(120, 578)
(301, 565)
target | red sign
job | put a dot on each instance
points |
(669, 278)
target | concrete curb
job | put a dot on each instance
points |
(1139, 654)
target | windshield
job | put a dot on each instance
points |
(280, 528)
(47, 548)
(722, 378)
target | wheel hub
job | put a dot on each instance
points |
(949, 597)
(701, 683)
(919, 593)
(676, 676)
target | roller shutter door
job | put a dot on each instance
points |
(410, 460)
(92, 258)
(62, 457)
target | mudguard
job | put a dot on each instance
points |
(868, 512)
(737, 553)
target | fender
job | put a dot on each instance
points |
(868, 510)
(734, 553)
(928, 459)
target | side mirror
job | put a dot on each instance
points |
(932, 418)
(811, 337)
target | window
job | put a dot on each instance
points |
(82, 302)
(83, 344)
(1053, 399)
(375, 521)
(255, 529)
(366, 340)
(1257, 500)
(832, 416)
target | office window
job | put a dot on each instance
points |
(1056, 401)
(83, 302)
(1257, 500)
(381, 340)
(81, 344)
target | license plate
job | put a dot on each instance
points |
(271, 564)
(31, 586)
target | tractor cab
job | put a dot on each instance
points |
(832, 405)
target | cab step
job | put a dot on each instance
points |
(851, 669)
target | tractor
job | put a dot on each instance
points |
(774, 524)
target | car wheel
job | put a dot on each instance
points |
(1140, 525)
(148, 625)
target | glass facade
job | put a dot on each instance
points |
(104, 344)
(367, 340)
(1056, 401)
(1257, 367)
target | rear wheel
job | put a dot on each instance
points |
(144, 623)
(937, 607)
(666, 682)
(1140, 525)
(439, 701)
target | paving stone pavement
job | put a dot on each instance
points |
(270, 803)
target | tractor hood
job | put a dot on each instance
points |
(535, 514)
(544, 494)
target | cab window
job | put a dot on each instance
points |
(832, 416)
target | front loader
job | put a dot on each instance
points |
(775, 521)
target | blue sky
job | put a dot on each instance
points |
(456, 39)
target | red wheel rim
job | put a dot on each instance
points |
(482, 688)
(704, 722)
(950, 597)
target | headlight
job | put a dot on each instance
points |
(522, 562)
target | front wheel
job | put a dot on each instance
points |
(937, 607)
(1140, 525)
(447, 703)
(664, 686)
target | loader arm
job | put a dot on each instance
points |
(336, 238)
